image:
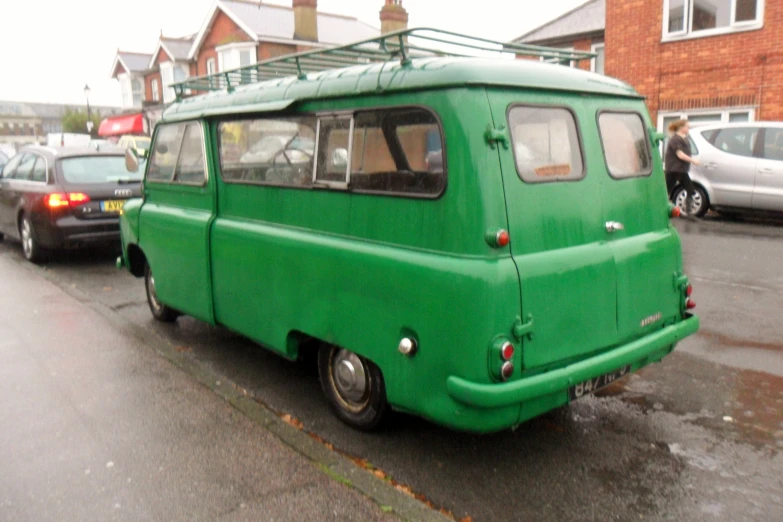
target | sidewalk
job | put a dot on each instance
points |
(95, 425)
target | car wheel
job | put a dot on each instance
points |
(159, 311)
(701, 203)
(32, 251)
(353, 386)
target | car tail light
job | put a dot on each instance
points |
(78, 198)
(59, 199)
(676, 212)
(507, 351)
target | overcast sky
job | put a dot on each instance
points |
(49, 49)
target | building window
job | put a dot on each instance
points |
(703, 117)
(708, 17)
(137, 87)
(155, 90)
(234, 56)
(597, 63)
(211, 69)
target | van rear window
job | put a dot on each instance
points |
(546, 144)
(626, 149)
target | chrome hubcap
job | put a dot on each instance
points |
(350, 377)
(153, 294)
(27, 238)
(681, 200)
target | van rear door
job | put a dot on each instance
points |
(646, 247)
(557, 227)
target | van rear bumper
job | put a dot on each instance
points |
(483, 395)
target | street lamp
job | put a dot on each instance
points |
(89, 114)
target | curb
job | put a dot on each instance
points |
(331, 463)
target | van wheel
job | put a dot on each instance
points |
(353, 387)
(159, 311)
(32, 251)
(701, 203)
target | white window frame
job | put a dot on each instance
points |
(211, 66)
(725, 114)
(594, 48)
(126, 88)
(687, 31)
(137, 101)
(155, 88)
(233, 50)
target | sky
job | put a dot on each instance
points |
(51, 49)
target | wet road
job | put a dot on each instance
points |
(698, 437)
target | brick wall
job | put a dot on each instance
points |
(267, 50)
(148, 87)
(223, 31)
(737, 69)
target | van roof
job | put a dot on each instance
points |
(389, 74)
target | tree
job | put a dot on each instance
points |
(76, 121)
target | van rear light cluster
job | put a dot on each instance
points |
(498, 238)
(500, 359)
(690, 304)
(71, 199)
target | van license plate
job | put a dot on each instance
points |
(591, 385)
(112, 205)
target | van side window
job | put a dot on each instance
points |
(626, 149)
(190, 166)
(397, 151)
(276, 151)
(546, 144)
(163, 159)
(333, 145)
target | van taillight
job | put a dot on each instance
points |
(688, 290)
(507, 351)
(690, 305)
(506, 370)
(58, 199)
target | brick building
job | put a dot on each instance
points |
(236, 33)
(704, 60)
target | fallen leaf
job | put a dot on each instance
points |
(296, 423)
(378, 473)
(466, 519)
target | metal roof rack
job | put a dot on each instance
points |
(403, 45)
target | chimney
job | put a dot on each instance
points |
(306, 20)
(394, 17)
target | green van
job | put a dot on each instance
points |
(474, 240)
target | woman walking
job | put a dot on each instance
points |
(677, 163)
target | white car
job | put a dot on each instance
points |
(741, 168)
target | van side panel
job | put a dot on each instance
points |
(362, 271)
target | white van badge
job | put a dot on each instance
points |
(650, 319)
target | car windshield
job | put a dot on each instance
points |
(97, 169)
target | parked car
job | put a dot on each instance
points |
(63, 198)
(139, 144)
(3, 161)
(741, 168)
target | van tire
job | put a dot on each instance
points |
(360, 404)
(159, 311)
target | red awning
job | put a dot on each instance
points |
(119, 125)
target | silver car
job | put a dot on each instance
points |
(741, 168)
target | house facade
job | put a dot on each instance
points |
(581, 29)
(237, 33)
(704, 60)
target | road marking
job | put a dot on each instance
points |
(729, 283)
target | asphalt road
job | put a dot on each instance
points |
(698, 437)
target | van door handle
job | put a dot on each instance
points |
(765, 171)
(711, 166)
(614, 226)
